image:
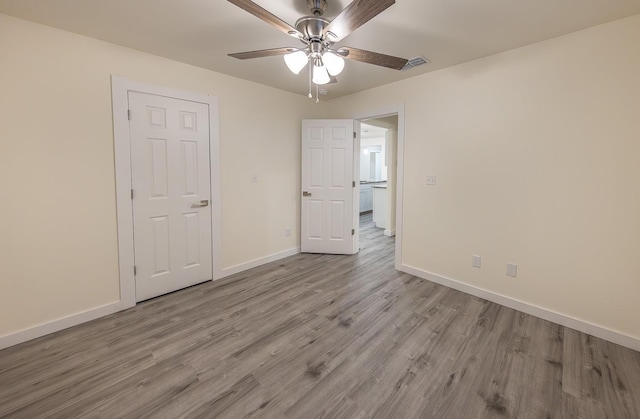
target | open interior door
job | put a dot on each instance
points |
(328, 187)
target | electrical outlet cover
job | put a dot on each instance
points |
(476, 261)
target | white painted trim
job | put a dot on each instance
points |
(378, 113)
(216, 192)
(258, 262)
(124, 211)
(356, 188)
(534, 310)
(120, 87)
(60, 324)
(390, 233)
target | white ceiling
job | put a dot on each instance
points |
(370, 131)
(203, 32)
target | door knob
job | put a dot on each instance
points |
(203, 203)
(305, 193)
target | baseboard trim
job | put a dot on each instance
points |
(540, 312)
(94, 313)
(543, 313)
(61, 324)
(390, 233)
(257, 262)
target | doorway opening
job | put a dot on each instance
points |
(378, 173)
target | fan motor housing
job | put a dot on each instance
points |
(317, 7)
(311, 27)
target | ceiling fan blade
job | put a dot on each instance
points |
(263, 53)
(332, 79)
(355, 15)
(376, 58)
(266, 16)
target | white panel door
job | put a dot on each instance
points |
(170, 176)
(327, 185)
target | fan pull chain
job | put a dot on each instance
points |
(310, 69)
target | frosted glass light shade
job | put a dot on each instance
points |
(320, 75)
(333, 62)
(296, 61)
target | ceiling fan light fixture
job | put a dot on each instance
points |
(334, 63)
(320, 75)
(318, 35)
(296, 61)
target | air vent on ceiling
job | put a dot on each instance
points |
(415, 62)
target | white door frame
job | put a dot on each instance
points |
(380, 113)
(120, 87)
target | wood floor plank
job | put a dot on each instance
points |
(135, 396)
(53, 395)
(314, 335)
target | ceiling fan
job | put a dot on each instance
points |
(318, 36)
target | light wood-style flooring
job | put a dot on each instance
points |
(320, 336)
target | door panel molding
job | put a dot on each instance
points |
(121, 87)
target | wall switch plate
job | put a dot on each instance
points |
(512, 269)
(476, 261)
(254, 178)
(287, 231)
(431, 180)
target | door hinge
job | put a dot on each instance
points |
(129, 114)
(135, 270)
(132, 194)
(353, 184)
(354, 135)
(353, 231)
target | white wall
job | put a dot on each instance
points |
(536, 152)
(535, 149)
(58, 248)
